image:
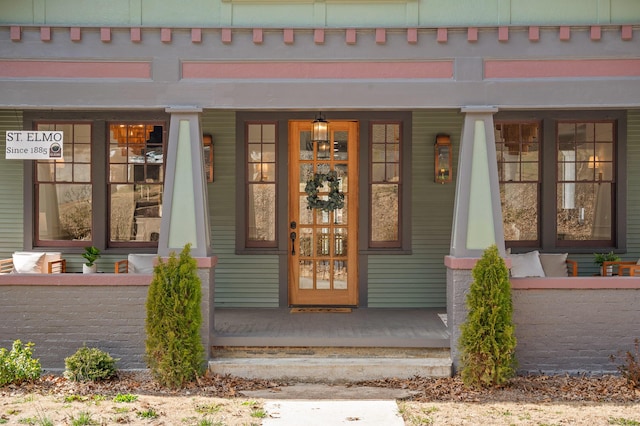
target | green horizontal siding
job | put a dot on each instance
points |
(633, 185)
(11, 194)
(305, 13)
(419, 279)
(240, 280)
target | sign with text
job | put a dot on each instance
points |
(33, 145)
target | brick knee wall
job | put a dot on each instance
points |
(574, 330)
(60, 319)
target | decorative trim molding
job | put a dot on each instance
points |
(165, 35)
(75, 33)
(553, 68)
(317, 70)
(288, 36)
(196, 35)
(442, 35)
(351, 34)
(16, 33)
(45, 33)
(136, 35)
(412, 35)
(75, 69)
(105, 34)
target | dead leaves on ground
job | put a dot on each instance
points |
(532, 388)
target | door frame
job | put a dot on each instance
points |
(328, 297)
(282, 118)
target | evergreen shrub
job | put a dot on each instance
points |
(18, 365)
(487, 342)
(89, 365)
(174, 351)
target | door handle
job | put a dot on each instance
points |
(293, 245)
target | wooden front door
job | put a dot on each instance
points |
(323, 245)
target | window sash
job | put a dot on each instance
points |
(261, 184)
(93, 162)
(385, 184)
(601, 148)
(63, 189)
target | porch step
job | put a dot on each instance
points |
(330, 365)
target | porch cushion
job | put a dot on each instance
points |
(28, 262)
(33, 262)
(554, 264)
(526, 265)
(141, 263)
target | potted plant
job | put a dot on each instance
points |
(91, 254)
(600, 258)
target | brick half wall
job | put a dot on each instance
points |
(60, 313)
(574, 330)
(60, 319)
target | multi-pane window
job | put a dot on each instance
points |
(63, 189)
(386, 182)
(107, 188)
(136, 176)
(565, 197)
(585, 181)
(261, 184)
(518, 156)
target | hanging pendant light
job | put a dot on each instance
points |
(320, 130)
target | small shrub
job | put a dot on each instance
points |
(149, 413)
(487, 340)
(89, 364)
(76, 398)
(126, 397)
(18, 365)
(630, 368)
(174, 351)
(83, 419)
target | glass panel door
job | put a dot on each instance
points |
(323, 205)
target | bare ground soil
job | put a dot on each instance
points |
(216, 400)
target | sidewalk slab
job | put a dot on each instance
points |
(325, 413)
(318, 391)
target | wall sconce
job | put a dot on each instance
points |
(207, 149)
(442, 159)
(320, 130)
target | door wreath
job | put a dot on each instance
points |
(336, 198)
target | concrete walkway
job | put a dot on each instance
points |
(328, 413)
(311, 404)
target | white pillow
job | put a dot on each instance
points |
(141, 263)
(28, 262)
(526, 265)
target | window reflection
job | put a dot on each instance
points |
(136, 174)
(63, 187)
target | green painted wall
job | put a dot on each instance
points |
(633, 186)
(11, 172)
(419, 279)
(414, 280)
(240, 280)
(318, 13)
